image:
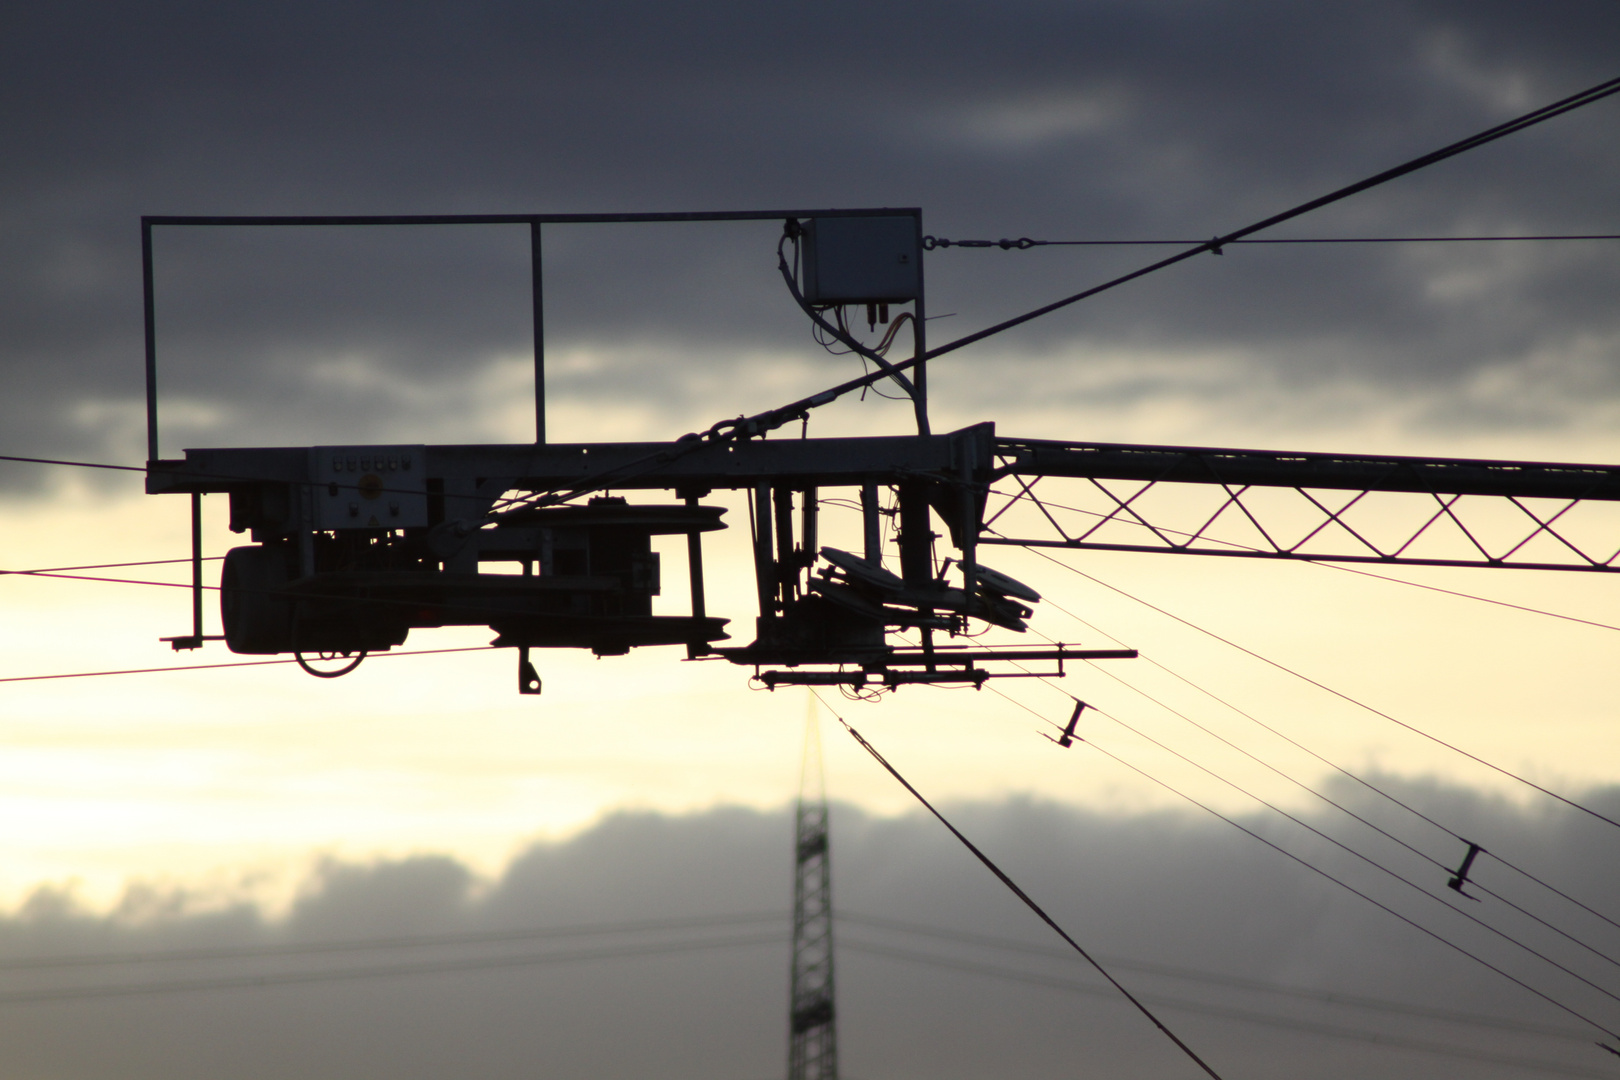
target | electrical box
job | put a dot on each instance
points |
(369, 487)
(862, 260)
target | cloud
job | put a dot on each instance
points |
(1098, 120)
(658, 943)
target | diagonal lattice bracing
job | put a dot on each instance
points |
(1252, 504)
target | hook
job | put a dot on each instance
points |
(528, 678)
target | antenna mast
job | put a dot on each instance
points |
(812, 1031)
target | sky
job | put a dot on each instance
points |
(1172, 120)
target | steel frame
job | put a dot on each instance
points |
(1122, 476)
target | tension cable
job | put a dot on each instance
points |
(1022, 895)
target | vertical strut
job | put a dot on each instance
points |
(764, 564)
(869, 519)
(694, 569)
(537, 297)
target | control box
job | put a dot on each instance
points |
(862, 260)
(369, 487)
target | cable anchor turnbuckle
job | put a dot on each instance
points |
(1068, 738)
(1460, 878)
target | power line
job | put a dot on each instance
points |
(1021, 894)
(1339, 694)
(1530, 119)
(1345, 885)
(1369, 785)
(1024, 243)
(74, 464)
(242, 982)
(108, 566)
(411, 941)
(1337, 806)
(1327, 997)
(1368, 859)
(234, 664)
(1229, 1013)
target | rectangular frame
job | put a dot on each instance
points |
(533, 221)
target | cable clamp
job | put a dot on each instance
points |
(1460, 878)
(1069, 738)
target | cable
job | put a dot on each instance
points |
(1331, 802)
(1228, 1013)
(1332, 765)
(234, 664)
(1536, 116)
(108, 566)
(1327, 997)
(1024, 243)
(389, 971)
(1316, 870)
(1367, 859)
(1543, 884)
(415, 941)
(728, 430)
(75, 464)
(109, 580)
(1338, 694)
(1016, 891)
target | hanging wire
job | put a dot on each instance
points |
(1337, 693)
(1024, 243)
(1341, 883)
(1369, 785)
(1020, 893)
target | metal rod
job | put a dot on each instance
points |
(874, 534)
(919, 379)
(151, 341)
(808, 531)
(787, 577)
(694, 573)
(520, 219)
(764, 575)
(537, 291)
(196, 569)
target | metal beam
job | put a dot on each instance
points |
(1263, 468)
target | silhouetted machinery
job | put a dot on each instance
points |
(355, 546)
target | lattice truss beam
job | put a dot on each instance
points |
(1326, 507)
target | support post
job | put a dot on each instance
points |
(151, 341)
(919, 375)
(764, 564)
(694, 572)
(787, 577)
(873, 527)
(537, 293)
(196, 570)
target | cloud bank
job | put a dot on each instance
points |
(1098, 120)
(659, 944)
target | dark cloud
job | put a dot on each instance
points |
(1169, 119)
(1162, 896)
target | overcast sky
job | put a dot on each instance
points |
(1057, 121)
(667, 954)
(1081, 121)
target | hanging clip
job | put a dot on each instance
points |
(1069, 736)
(1460, 878)
(528, 678)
